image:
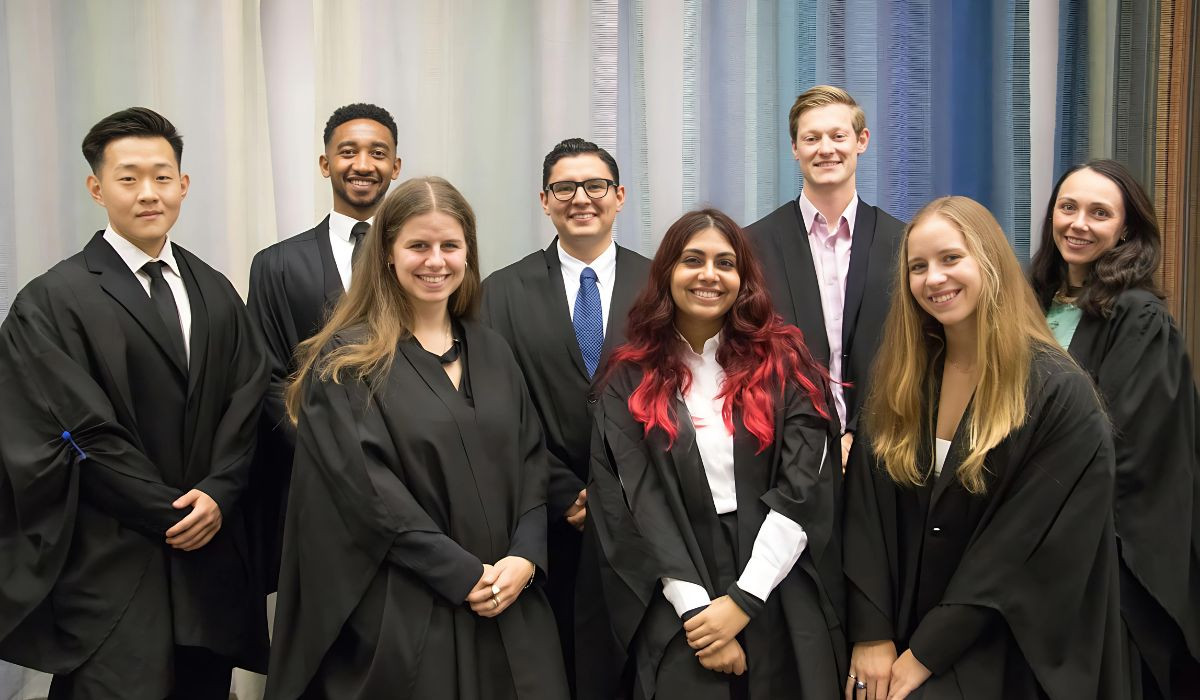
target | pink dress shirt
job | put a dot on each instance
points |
(831, 262)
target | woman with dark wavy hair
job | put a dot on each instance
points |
(1094, 275)
(714, 477)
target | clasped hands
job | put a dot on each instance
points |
(500, 585)
(197, 528)
(886, 676)
(712, 633)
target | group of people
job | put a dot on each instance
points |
(825, 455)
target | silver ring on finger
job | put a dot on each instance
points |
(860, 685)
(853, 677)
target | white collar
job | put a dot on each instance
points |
(133, 256)
(604, 265)
(340, 225)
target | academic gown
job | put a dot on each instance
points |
(1138, 361)
(1008, 594)
(93, 457)
(781, 242)
(527, 304)
(294, 285)
(654, 517)
(398, 497)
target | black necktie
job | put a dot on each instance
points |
(164, 303)
(358, 233)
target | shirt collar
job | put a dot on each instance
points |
(133, 256)
(604, 265)
(809, 211)
(340, 224)
(707, 354)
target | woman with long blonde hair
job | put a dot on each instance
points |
(415, 540)
(979, 547)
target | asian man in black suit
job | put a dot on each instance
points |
(297, 281)
(132, 382)
(563, 310)
(827, 255)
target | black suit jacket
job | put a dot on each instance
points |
(294, 284)
(526, 303)
(781, 241)
(84, 351)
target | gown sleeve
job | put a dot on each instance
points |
(1145, 377)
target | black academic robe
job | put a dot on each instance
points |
(1138, 361)
(654, 517)
(781, 242)
(104, 426)
(294, 284)
(527, 304)
(398, 497)
(1007, 594)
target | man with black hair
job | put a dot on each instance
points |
(132, 383)
(563, 310)
(297, 281)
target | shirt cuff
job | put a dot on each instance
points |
(777, 547)
(684, 596)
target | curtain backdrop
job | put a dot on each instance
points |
(691, 96)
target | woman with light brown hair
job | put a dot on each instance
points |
(416, 527)
(979, 548)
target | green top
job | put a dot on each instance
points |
(1063, 319)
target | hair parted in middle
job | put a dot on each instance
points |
(820, 96)
(1009, 328)
(759, 353)
(376, 301)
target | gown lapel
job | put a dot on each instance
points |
(560, 316)
(121, 284)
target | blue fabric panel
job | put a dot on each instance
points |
(1071, 133)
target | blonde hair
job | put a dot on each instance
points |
(1009, 328)
(820, 96)
(375, 300)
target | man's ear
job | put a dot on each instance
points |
(93, 187)
(323, 164)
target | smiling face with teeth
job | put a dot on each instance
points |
(704, 284)
(584, 224)
(429, 257)
(943, 276)
(827, 147)
(360, 162)
(1088, 220)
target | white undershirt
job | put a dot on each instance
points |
(780, 540)
(134, 258)
(342, 244)
(605, 267)
(941, 449)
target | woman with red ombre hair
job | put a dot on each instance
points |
(714, 476)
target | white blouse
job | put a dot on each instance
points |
(780, 540)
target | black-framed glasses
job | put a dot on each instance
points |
(564, 190)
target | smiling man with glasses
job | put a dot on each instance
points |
(563, 310)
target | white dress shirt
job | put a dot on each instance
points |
(134, 258)
(779, 541)
(830, 244)
(342, 244)
(605, 267)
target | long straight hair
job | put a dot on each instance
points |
(1009, 327)
(376, 301)
(1131, 264)
(758, 352)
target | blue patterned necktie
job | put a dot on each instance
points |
(589, 320)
